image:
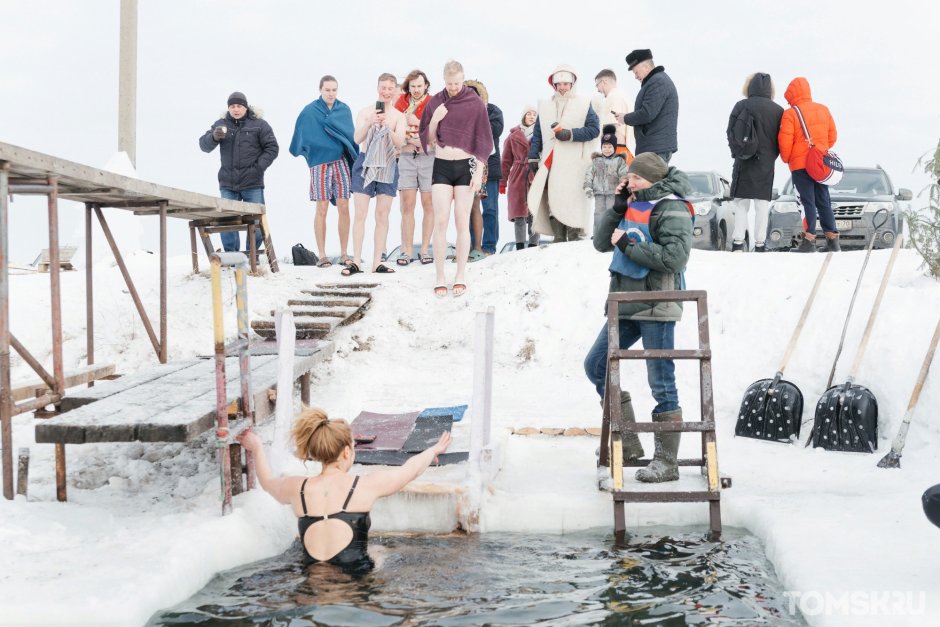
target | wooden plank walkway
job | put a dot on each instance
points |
(318, 311)
(168, 403)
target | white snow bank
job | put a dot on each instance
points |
(142, 528)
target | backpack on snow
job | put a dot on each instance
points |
(304, 257)
(742, 136)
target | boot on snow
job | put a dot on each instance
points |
(832, 242)
(632, 449)
(808, 245)
(664, 466)
(760, 248)
(737, 247)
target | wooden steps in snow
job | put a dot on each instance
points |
(318, 311)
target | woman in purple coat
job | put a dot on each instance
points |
(517, 177)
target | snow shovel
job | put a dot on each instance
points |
(893, 458)
(847, 414)
(858, 284)
(772, 409)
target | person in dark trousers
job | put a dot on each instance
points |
(752, 179)
(794, 147)
(651, 244)
(484, 213)
(248, 148)
(655, 115)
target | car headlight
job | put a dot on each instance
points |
(702, 207)
(786, 207)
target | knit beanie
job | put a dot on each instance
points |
(609, 135)
(650, 166)
(238, 98)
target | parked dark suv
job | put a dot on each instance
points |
(856, 199)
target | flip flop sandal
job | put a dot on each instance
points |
(426, 259)
(383, 269)
(403, 261)
(459, 289)
(351, 269)
(440, 291)
(324, 263)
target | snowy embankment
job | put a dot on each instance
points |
(142, 529)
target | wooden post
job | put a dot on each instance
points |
(481, 405)
(286, 333)
(305, 389)
(127, 81)
(89, 293)
(60, 490)
(163, 252)
(22, 471)
(192, 246)
(235, 453)
(252, 250)
(6, 397)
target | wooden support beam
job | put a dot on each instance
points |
(61, 493)
(80, 376)
(22, 472)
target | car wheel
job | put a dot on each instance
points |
(722, 237)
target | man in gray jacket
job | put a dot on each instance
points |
(655, 116)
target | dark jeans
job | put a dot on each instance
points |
(814, 197)
(231, 239)
(660, 373)
(490, 206)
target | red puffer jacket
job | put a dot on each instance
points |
(822, 128)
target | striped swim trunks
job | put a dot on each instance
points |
(329, 181)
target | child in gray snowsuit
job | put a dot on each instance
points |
(603, 175)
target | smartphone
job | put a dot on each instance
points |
(380, 106)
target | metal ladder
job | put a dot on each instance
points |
(611, 454)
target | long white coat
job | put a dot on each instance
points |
(559, 191)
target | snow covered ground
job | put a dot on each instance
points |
(142, 529)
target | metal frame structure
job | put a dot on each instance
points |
(229, 453)
(611, 453)
(26, 172)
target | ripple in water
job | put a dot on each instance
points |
(507, 579)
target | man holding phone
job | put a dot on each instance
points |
(380, 133)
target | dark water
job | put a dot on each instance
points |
(664, 577)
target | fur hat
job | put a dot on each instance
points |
(609, 135)
(650, 166)
(638, 56)
(237, 97)
(478, 87)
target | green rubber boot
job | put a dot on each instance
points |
(664, 466)
(632, 449)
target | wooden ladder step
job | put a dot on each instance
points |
(684, 496)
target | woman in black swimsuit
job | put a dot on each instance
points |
(333, 507)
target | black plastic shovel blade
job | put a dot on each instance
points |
(772, 410)
(846, 419)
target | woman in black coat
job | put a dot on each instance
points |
(753, 178)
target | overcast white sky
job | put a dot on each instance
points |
(870, 62)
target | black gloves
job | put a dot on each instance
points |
(218, 133)
(533, 165)
(622, 243)
(563, 135)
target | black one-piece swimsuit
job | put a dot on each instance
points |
(354, 554)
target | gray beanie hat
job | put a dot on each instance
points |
(650, 166)
(238, 97)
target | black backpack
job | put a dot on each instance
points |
(304, 257)
(742, 136)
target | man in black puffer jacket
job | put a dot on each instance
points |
(655, 116)
(248, 148)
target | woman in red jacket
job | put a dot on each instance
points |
(517, 177)
(794, 147)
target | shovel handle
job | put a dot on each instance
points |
(809, 305)
(858, 284)
(874, 308)
(924, 369)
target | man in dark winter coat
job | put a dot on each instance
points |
(753, 178)
(494, 173)
(651, 247)
(248, 148)
(655, 115)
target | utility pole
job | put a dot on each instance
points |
(127, 81)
